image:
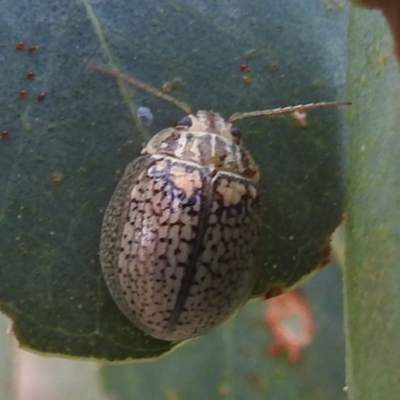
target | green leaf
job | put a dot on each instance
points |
(232, 361)
(64, 155)
(6, 364)
(372, 284)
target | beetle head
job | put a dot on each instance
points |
(211, 122)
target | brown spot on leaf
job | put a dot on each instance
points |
(324, 255)
(273, 292)
(224, 389)
(257, 380)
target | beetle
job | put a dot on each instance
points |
(180, 233)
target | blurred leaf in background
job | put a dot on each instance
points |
(371, 276)
(28, 376)
(391, 10)
(6, 360)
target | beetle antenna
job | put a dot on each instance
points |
(140, 85)
(285, 110)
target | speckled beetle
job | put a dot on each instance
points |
(180, 232)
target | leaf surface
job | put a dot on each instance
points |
(63, 156)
